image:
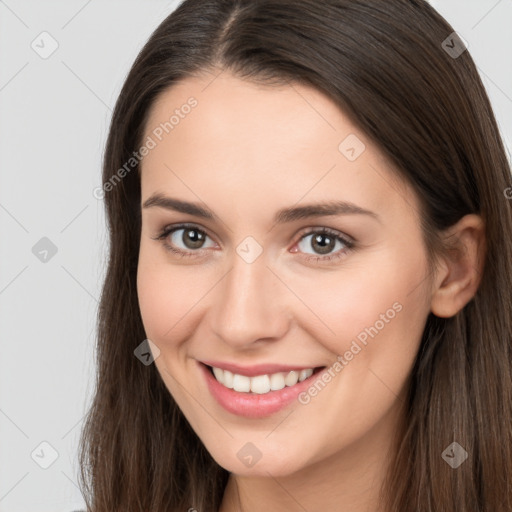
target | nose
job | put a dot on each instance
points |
(249, 304)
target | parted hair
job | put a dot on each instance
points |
(387, 66)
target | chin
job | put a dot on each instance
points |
(265, 466)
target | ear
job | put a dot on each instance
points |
(459, 275)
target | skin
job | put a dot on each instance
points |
(245, 152)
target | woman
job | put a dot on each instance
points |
(307, 303)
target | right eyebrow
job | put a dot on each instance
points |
(169, 203)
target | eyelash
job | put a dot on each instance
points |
(349, 244)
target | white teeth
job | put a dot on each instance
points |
(292, 378)
(218, 373)
(277, 381)
(304, 374)
(260, 384)
(241, 383)
(228, 378)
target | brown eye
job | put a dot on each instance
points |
(184, 239)
(193, 238)
(327, 246)
(323, 242)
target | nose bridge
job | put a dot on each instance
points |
(247, 302)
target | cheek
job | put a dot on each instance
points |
(376, 299)
(153, 299)
(162, 297)
(169, 297)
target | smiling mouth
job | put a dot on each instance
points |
(261, 384)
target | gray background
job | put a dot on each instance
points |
(54, 116)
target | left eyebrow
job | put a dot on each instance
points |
(330, 208)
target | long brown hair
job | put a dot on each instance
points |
(391, 66)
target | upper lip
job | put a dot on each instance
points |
(256, 369)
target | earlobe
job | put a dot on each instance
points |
(458, 280)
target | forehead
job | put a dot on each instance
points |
(286, 117)
(222, 134)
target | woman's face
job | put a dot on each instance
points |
(260, 282)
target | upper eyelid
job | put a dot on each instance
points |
(303, 232)
(171, 228)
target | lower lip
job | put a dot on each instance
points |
(254, 405)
